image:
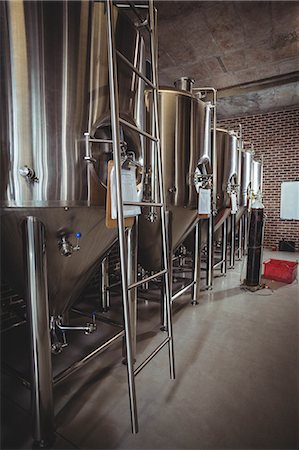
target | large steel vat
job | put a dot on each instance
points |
(54, 81)
(246, 164)
(227, 167)
(185, 123)
(256, 177)
(227, 157)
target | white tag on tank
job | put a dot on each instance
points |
(129, 192)
(234, 207)
(204, 201)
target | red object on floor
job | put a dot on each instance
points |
(280, 270)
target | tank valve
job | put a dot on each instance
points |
(66, 248)
(28, 174)
(152, 216)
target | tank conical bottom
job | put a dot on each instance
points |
(66, 275)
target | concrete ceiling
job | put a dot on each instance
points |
(249, 51)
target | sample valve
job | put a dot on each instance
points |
(66, 248)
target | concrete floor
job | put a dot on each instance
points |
(236, 381)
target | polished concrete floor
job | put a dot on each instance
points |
(236, 381)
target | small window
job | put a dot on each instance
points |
(289, 200)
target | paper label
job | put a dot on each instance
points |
(234, 207)
(204, 201)
(129, 192)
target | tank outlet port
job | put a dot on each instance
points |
(66, 248)
(29, 174)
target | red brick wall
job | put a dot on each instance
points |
(275, 136)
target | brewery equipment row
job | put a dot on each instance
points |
(96, 155)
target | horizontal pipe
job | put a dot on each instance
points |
(182, 291)
(218, 263)
(70, 370)
(132, 67)
(100, 318)
(70, 328)
(138, 130)
(151, 356)
(158, 205)
(145, 280)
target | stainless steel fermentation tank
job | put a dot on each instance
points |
(227, 174)
(54, 90)
(227, 158)
(226, 184)
(185, 124)
(256, 178)
(54, 105)
(244, 199)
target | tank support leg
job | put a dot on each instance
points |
(196, 265)
(240, 239)
(210, 250)
(232, 241)
(245, 232)
(38, 315)
(224, 248)
(105, 294)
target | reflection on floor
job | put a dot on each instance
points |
(236, 381)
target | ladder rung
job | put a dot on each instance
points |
(129, 64)
(144, 133)
(127, 5)
(151, 356)
(103, 141)
(158, 205)
(145, 280)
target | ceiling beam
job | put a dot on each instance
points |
(258, 85)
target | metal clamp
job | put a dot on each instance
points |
(88, 156)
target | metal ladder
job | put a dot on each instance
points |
(113, 53)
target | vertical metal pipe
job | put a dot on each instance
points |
(210, 244)
(105, 284)
(224, 248)
(38, 315)
(210, 252)
(196, 273)
(132, 278)
(165, 249)
(114, 106)
(246, 232)
(240, 238)
(232, 241)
